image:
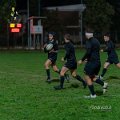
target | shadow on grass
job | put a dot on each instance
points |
(55, 80)
(73, 85)
(99, 93)
(58, 80)
(112, 77)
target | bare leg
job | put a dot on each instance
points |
(47, 65)
(106, 65)
(76, 76)
(118, 65)
(62, 73)
(90, 84)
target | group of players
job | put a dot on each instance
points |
(91, 59)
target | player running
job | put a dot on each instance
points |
(112, 55)
(52, 56)
(93, 64)
(71, 63)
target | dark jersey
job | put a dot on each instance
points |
(52, 55)
(110, 49)
(55, 44)
(92, 50)
(70, 52)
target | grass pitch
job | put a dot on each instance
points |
(24, 94)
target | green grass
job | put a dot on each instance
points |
(24, 94)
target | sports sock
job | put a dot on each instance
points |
(58, 71)
(91, 88)
(79, 78)
(48, 73)
(61, 81)
(103, 72)
(99, 81)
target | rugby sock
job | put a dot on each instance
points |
(80, 79)
(58, 71)
(61, 81)
(48, 73)
(99, 81)
(66, 76)
(103, 72)
(91, 88)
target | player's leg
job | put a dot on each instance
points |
(89, 73)
(62, 73)
(76, 76)
(55, 68)
(118, 65)
(47, 65)
(90, 86)
(106, 65)
(98, 80)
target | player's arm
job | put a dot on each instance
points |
(44, 47)
(86, 55)
(107, 49)
(67, 54)
(55, 47)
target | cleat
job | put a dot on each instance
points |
(105, 87)
(90, 96)
(58, 87)
(101, 78)
(48, 80)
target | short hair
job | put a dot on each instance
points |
(107, 34)
(89, 30)
(52, 33)
(67, 36)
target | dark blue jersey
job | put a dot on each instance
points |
(52, 54)
(110, 49)
(55, 44)
(92, 50)
(70, 52)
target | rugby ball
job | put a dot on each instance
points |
(49, 46)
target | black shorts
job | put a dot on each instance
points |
(52, 58)
(113, 60)
(53, 61)
(92, 68)
(71, 65)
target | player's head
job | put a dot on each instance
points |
(51, 35)
(106, 37)
(67, 38)
(89, 33)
